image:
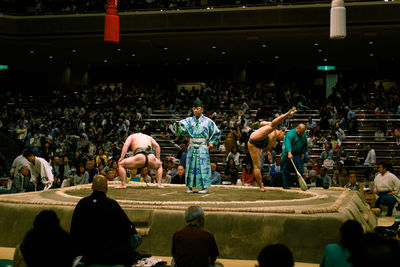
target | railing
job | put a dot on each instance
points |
(41, 7)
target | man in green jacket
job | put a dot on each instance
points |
(294, 147)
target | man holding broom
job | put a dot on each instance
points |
(294, 147)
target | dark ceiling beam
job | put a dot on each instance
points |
(279, 17)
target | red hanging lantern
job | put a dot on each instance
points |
(111, 23)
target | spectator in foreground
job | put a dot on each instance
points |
(376, 250)
(338, 255)
(193, 246)
(276, 255)
(47, 244)
(101, 230)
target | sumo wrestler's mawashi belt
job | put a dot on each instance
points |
(198, 142)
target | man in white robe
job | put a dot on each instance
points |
(41, 171)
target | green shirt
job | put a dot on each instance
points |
(294, 143)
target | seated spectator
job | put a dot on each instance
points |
(193, 246)
(387, 187)
(47, 244)
(101, 230)
(165, 179)
(248, 174)
(57, 172)
(18, 162)
(76, 159)
(235, 155)
(343, 156)
(310, 124)
(21, 130)
(69, 181)
(276, 255)
(134, 175)
(171, 170)
(179, 178)
(327, 153)
(183, 154)
(91, 169)
(231, 172)
(145, 177)
(112, 173)
(101, 157)
(65, 168)
(312, 180)
(339, 255)
(215, 175)
(353, 184)
(81, 176)
(340, 176)
(370, 160)
(340, 135)
(276, 172)
(325, 178)
(21, 182)
(318, 167)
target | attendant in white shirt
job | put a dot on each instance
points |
(387, 187)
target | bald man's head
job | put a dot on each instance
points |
(300, 129)
(100, 183)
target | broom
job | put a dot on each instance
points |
(302, 183)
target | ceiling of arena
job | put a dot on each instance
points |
(302, 48)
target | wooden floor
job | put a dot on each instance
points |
(7, 253)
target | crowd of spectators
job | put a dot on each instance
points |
(81, 133)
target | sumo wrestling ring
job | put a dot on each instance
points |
(242, 219)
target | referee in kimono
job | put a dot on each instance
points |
(204, 135)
